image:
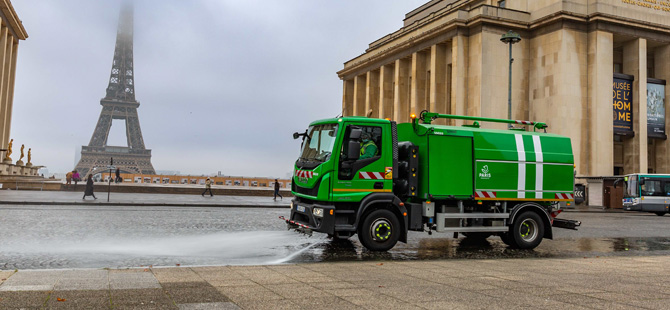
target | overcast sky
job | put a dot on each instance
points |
(222, 83)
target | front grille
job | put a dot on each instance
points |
(308, 191)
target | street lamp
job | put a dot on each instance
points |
(510, 38)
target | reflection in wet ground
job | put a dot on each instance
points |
(492, 248)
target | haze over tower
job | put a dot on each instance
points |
(119, 104)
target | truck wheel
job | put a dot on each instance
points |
(380, 230)
(527, 231)
(477, 235)
(506, 238)
(660, 213)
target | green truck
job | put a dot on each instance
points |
(420, 176)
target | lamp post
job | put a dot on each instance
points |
(510, 38)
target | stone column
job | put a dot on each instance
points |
(419, 86)
(360, 92)
(438, 81)
(662, 71)
(635, 63)
(459, 74)
(348, 97)
(386, 91)
(600, 135)
(372, 94)
(401, 97)
(5, 112)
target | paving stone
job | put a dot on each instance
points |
(31, 299)
(231, 282)
(209, 306)
(144, 298)
(85, 274)
(281, 304)
(292, 291)
(82, 284)
(193, 292)
(324, 302)
(98, 299)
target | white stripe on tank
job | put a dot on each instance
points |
(521, 185)
(539, 168)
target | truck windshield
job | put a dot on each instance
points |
(319, 143)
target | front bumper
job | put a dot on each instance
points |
(302, 215)
(631, 206)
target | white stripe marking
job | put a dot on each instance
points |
(521, 185)
(539, 168)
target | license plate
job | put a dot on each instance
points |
(300, 208)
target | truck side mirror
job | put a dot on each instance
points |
(354, 150)
(296, 135)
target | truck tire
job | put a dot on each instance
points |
(506, 238)
(527, 231)
(660, 213)
(380, 230)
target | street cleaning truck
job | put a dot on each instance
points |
(425, 177)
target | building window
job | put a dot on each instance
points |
(501, 3)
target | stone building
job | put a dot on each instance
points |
(594, 70)
(11, 32)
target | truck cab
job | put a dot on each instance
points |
(333, 176)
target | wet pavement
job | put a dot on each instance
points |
(56, 237)
(74, 198)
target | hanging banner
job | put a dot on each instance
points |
(623, 106)
(656, 110)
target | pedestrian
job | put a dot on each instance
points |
(68, 178)
(208, 187)
(118, 176)
(75, 177)
(89, 188)
(277, 191)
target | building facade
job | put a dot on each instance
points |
(11, 32)
(594, 70)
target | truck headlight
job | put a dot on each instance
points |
(291, 204)
(318, 212)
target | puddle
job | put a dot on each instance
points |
(492, 248)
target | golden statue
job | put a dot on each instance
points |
(29, 155)
(9, 149)
(22, 146)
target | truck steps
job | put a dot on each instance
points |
(473, 229)
(474, 215)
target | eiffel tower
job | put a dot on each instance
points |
(119, 104)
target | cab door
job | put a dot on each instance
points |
(358, 177)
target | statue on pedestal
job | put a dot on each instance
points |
(20, 161)
(29, 164)
(8, 160)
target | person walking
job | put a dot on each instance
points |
(277, 191)
(75, 177)
(208, 187)
(118, 176)
(89, 188)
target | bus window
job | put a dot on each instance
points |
(651, 187)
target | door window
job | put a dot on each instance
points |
(371, 147)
